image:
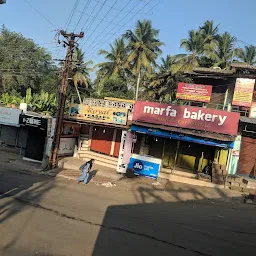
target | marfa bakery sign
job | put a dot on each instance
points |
(187, 117)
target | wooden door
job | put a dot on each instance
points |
(102, 139)
(117, 142)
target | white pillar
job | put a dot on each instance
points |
(113, 143)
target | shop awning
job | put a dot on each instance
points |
(180, 136)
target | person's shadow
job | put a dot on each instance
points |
(91, 175)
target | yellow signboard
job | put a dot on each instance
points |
(98, 114)
(243, 92)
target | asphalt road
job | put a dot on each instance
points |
(40, 215)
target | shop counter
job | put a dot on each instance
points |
(147, 166)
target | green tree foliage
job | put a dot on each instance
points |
(116, 60)
(114, 87)
(162, 86)
(23, 63)
(144, 48)
(42, 102)
(80, 72)
(247, 55)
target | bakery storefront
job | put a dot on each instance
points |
(183, 137)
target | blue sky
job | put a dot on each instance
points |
(104, 20)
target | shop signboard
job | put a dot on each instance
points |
(98, 114)
(194, 92)
(243, 92)
(187, 117)
(9, 116)
(33, 121)
(145, 165)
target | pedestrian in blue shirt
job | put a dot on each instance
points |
(85, 171)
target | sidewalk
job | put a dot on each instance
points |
(70, 170)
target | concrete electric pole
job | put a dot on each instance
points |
(71, 44)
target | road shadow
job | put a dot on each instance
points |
(196, 222)
(18, 190)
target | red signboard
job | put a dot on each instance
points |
(187, 117)
(195, 92)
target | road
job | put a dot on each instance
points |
(40, 215)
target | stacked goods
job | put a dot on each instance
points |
(219, 173)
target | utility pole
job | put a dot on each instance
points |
(71, 44)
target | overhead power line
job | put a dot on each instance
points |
(71, 14)
(96, 45)
(42, 15)
(91, 22)
(102, 20)
(83, 12)
(113, 20)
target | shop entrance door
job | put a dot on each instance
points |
(35, 144)
(192, 156)
(170, 147)
(102, 139)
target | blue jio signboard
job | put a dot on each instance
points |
(145, 165)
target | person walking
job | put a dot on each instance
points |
(85, 171)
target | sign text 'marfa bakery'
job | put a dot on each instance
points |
(188, 117)
(194, 115)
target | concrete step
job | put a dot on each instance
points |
(101, 162)
(97, 156)
(179, 173)
(181, 179)
(84, 148)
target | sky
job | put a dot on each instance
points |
(104, 20)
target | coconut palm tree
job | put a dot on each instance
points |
(80, 71)
(194, 45)
(225, 50)
(209, 31)
(247, 55)
(144, 48)
(116, 60)
(200, 44)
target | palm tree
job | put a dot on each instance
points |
(247, 55)
(209, 31)
(144, 48)
(80, 71)
(225, 50)
(200, 44)
(194, 45)
(116, 59)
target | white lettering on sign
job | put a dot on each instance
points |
(32, 121)
(194, 115)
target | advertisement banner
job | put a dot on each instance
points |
(9, 116)
(98, 114)
(187, 117)
(194, 92)
(243, 92)
(145, 166)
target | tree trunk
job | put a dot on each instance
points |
(78, 94)
(137, 88)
